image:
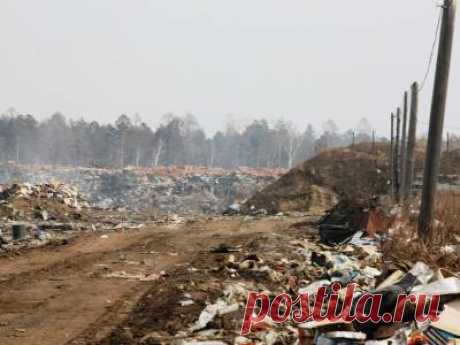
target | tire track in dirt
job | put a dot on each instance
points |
(190, 241)
(52, 296)
(51, 303)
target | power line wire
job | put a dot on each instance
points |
(433, 47)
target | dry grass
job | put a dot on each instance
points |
(448, 213)
(406, 247)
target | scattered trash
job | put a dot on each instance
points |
(220, 308)
(26, 201)
(449, 321)
(186, 303)
(345, 249)
(224, 249)
(232, 210)
(206, 342)
(174, 190)
(19, 232)
(140, 276)
(342, 338)
(449, 286)
(346, 223)
(359, 262)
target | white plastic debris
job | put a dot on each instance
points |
(186, 302)
(241, 341)
(206, 342)
(140, 276)
(211, 311)
(449, 286)
(422, 272)
(371, 272)
(313, 287)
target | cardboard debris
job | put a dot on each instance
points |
(449, 321)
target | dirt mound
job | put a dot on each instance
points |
(357, 173)
(41, 201)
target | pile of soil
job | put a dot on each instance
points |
(354, 173)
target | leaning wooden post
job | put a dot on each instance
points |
(438, 109)
(392, 156)
(402, 164)
(373, 141)
(411, 142)
(448, 142)
(396, 155)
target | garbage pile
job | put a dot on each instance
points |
(162, 189)
(347, 221)
(309, 267)
(24, 201)
(297, 264)
(357, 173)
(322, 268)
(27, 211)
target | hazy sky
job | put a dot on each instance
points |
(306, 61)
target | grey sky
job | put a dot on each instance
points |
(303, 60)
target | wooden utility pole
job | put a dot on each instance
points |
(411, 140)
(448, 142)
(402, 173)
(438, 108)
(392, 156)
(373, 141)
(396, 155)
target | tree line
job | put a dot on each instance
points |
(178, 140)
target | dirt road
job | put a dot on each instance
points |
(61, 294)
